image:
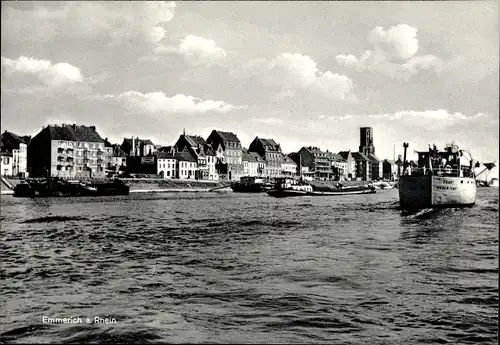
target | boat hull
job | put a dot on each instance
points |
(282, 193)
(419, 192)
(344, 192)
(248, 188)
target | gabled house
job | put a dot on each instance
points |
(250, 164)
(66, 151)
(18, 147)
(136, 147)
(228, 152)
(350, 163)
(167, 164)
(288, 166)
(363, 166)
(271, 152)
(203, 153)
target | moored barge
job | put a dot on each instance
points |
(55, 187)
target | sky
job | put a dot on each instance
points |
(301, 73)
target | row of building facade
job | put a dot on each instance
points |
(73, 151)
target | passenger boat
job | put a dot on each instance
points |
(438, 180)
(249, 184)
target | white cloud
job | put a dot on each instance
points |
(398, 41)
(393, 54)
(196, 51)
(158, 102)
(134, 19)
(428, 118)
(269, 121)
(297, 71)
(50, 74)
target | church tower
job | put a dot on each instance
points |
(366, 141)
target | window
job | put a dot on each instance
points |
(6, 160)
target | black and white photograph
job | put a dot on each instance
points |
(249, 172)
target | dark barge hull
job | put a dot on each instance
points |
(57, 188)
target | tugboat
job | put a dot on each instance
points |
(439, 179)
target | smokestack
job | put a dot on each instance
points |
(133, 146)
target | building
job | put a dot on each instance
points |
(366, 141)
(367, 148)
(261, 163)
(167, 165)
(6, 163)
(250, 164)
(376, 166)
(319, 162)
(17, 146)
(66, 151)
(117, 159)
(203, 153)
(350, 164)
(270, 151)
(138, 147)
(339, 167)
(187, 165)
(288, 166)
(228, 152)
(390, 170)
(363, 166)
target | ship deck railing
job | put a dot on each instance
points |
(447, 172)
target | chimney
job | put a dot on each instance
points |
(92, 128)
(74, 126)
(133, 146)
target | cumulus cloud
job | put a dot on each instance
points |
(143, 20)
(398, 41)
(50, 74)
(393, 54)
(158, 102)
(195, 50)
(297, 71)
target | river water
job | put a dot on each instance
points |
(239, 268)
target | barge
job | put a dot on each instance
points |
(55, 187)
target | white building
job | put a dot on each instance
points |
(17, 146)
(288, 166)
(6, 164)
(250, 164)
(166, 165)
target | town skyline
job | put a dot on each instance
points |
(258, 69)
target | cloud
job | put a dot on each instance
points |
(428, 118)
(398, 41)
(297, 71)
(158, 102)
(58, 74)
(269, 121)
(143, 20)
(393, 54)
(195, 50)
